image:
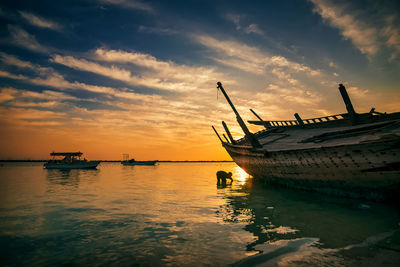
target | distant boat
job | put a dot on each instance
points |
(69, 160)
(352, 154)
(132, 162)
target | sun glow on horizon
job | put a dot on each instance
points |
(151, 91)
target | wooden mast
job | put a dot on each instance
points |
(350, 110)
(249, 136)
(228, 133)
(266, 124)
(219, 137)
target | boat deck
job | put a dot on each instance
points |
(296, 138)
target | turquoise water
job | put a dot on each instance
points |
(174, 214)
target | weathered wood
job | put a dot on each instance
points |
(217, 135)
(347, 102)
(299, 120)
(265, 123)
(225, 138)
(327, 153)
(249, 136)
(228, 133)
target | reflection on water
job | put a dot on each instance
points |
(70, 178)
(302, 228)
(176, 214)
(240, 175)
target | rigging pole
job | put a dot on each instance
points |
(248, 135)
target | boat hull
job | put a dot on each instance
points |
(139, 163)
(369, 170)
(69, 166)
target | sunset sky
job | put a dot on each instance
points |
(108, 77)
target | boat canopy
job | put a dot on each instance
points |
(66, 154)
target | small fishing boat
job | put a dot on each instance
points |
(69, 160)
(351, 154)
(132, 162)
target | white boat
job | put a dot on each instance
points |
(69, 160)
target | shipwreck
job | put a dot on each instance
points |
(350, 154)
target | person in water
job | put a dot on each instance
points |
(222, 176)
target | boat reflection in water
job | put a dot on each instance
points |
(297, 228)
(61, 179)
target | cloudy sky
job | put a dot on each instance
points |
(108, 77)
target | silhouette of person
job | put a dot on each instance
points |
(222, 176)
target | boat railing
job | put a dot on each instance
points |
(289, 123)
(286, 123)
(305, 121)
(271, 125)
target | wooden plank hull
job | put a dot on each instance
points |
(368, 169)
(357, 153)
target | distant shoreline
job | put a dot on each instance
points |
(176, 161)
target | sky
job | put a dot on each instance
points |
(113, 77)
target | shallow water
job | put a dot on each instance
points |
(174, 214)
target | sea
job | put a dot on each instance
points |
(175, 214)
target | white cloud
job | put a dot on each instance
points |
(135, 58)
(238, 21)
(392, 33)
(156, 74)
(248, 58)
(85, 65)
(46, 104)
(172, 116)
(235, 19)
(363, 36)
(161, 31)
(166, 70)
(44, 95)
(121, 74)
(7, 94)
(49, 77)
(39, 22)
(23, 98)
(134, 4)
(235, 54)
(356, 92)
(284, 76)
(22, 38)
(294, 95)
(284, 62)
(254, 28)
(9, 75)
(367, 35)
(14, 61)
(29, 114)
(56, 80)
(288, 82)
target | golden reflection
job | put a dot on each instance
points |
(240, 175)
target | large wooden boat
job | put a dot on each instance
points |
(69, 160)
(351, 154)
